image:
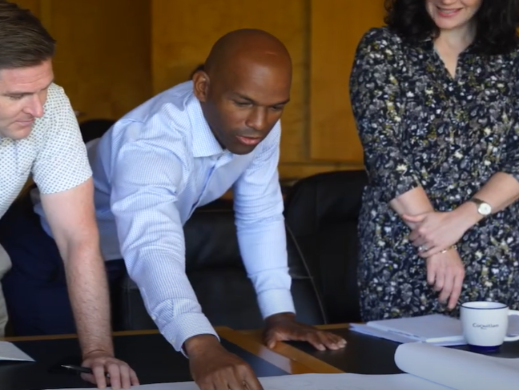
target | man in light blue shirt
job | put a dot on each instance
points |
(183, 149)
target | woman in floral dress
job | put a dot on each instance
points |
(435, 95)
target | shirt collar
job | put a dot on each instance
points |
(204, 141)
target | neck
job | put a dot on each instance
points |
(457, 39)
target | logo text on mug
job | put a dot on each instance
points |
(485, 326)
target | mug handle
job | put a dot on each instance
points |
(512, 313)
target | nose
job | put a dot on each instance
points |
(258, 119)
(34, 106)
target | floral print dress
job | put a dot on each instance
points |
(421, 126)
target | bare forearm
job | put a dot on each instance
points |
(413, 202)
(88, 291)
(499, 192)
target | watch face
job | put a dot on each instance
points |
(484, 209)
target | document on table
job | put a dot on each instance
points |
(9, 351)
(427, 367)
(321, 382)
(433, 329)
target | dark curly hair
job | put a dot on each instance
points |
(497, 23)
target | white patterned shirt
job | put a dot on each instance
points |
(54, 153)
(152, 169)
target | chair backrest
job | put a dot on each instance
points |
(322, 212)
(216, 272)
(94, 128)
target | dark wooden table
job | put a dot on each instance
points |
(363, 354)
(148, 353)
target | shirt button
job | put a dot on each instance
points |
(153, 318)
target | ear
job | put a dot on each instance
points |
(201, 85)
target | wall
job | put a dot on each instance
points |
(321, 35)
(103, 52)
(115, 54)
(337, 27)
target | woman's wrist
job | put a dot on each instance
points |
(468, 215)
(452, 247)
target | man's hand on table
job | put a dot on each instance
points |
(214, 368)
(101, 362)
(283, 327)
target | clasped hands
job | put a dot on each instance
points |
(214, 368)
(435, 234)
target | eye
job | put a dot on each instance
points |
(277, 108)
(242, 104)
(15, 97)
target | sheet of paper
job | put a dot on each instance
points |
(365, 329)
(457, 369)
(322, 382)
(434, 328)
(9, 351)
(439, 329)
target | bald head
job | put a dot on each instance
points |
(247, 46)
(244, 87)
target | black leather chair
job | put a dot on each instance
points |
(322, 213)
(215, 270)
(94, 128)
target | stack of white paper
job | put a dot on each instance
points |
(428, 367)
(434, 329)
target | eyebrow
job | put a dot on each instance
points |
(19, 93)
(254, 102)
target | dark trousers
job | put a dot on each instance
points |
(35, 288)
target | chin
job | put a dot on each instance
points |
(449, 25)
(18, 134)
(241, 149)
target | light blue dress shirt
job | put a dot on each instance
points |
(152, 169)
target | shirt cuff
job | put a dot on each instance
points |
(186, 326)
(275, 301)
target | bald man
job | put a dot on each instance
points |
(185, 148)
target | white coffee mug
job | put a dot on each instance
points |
(485, 325)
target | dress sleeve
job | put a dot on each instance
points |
(378, 103)
(510, 160)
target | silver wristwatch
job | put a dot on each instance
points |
(483, 207)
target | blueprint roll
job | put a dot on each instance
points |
(455, 369)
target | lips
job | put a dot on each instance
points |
(448, 13)
(249, 141)
(26, 123)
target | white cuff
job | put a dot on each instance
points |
(186, 326)
(275, 301)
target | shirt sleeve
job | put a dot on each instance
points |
(258, 206)
(62, 161)
(147, 177)
(378, 104)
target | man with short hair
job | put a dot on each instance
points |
(183, 149)
(39, 135)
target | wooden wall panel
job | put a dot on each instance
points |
(103, 53)
(184, 31)
(115, 54)
(337, 26)
(32, 5)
